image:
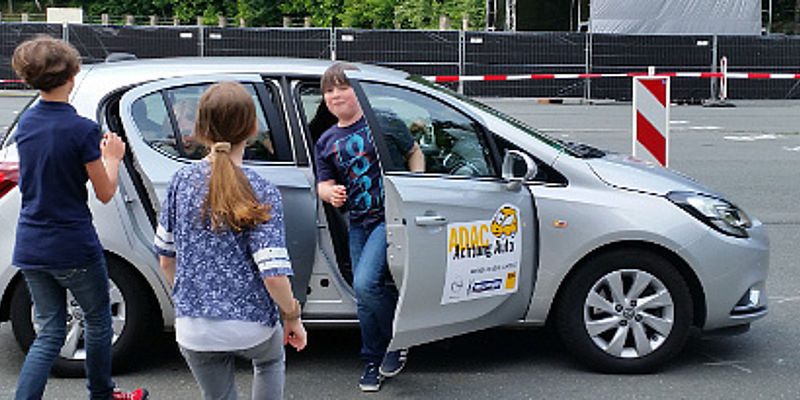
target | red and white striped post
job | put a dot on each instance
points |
(651, 100)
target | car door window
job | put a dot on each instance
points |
(451, 142)
(166, 121)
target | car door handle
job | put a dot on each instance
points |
(430, 220)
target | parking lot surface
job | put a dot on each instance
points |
(750, 153)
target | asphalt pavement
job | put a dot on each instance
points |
(750, 153)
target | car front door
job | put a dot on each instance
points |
(159, 119)
(461, 241)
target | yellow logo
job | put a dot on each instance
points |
(511, 280)
(505, 222)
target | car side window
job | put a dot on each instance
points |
(166, 122)
(451, 142)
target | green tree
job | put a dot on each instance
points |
(369, 14)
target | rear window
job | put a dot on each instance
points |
(166, 119)
(7, 135)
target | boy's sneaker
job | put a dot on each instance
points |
(371, 379)
(138, 394)
(393, 362)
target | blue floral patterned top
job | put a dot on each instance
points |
(218, 275)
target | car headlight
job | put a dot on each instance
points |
(715, 212)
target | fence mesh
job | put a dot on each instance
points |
(96, 42)
(776, 54)
(11, 35)
(506, 53)
(288, 42)
(458, 53)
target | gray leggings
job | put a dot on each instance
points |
(214, 371)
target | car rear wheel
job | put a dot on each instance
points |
(131, 319)
(626, 311)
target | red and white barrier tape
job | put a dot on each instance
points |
(10, 81)
(730, 75)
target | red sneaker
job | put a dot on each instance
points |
(138, 394)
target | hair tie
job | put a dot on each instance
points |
(221, 147)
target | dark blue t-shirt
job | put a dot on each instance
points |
(55, 226)
(347, 155)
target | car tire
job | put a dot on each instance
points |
(625, 311)
(132, 314)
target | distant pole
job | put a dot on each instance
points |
(769, 26)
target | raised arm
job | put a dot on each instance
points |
(103, 171)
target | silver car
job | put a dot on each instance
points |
(505, 226)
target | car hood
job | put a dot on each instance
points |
(625, 172)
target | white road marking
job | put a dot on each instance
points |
(791, 148)
(678, 122)
(751, 138)
(705, 128)
(722, 363)
(782, 299)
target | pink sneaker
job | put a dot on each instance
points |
(138, 394)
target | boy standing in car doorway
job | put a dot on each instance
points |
(348, 172)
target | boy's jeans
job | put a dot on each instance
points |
(89, 287)
(376, 301)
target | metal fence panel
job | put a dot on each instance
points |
(279, 42)
(776, 54)
(509, 53)
(11, 35)
(96, 42)
(416, 52)
(634, 53)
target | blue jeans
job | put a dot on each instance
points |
(376, 300)
(89, 287)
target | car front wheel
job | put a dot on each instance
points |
(626, 311)
(131, 319)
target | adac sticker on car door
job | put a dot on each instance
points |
(483, 256)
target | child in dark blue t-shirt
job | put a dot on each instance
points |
(348, 171)
(56, 245)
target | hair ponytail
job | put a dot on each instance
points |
(226, 116)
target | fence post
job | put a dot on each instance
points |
(104, 19)
(175, 21)
(444, 22)
(130, 20)
(1, 16)
(201, 37)
(714, 57)
(587, 87)
(153, 20)
(222, 21)
(462, 52)
(24, 17)
(242, 22)
(333, 43)
(287, 21)
(306, 22)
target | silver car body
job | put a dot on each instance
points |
(608, 202)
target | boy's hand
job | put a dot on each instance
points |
(338, 195)
(332, 193)
(112, 147)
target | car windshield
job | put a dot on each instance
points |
(573, 148)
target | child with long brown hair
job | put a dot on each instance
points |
(226, 256)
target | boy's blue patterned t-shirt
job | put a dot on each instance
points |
(219, 274)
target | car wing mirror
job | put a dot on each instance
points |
(517, 168)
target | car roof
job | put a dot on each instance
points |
(113, 75)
